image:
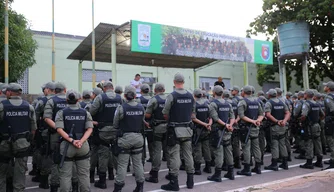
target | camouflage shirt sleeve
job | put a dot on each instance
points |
(32, 118)
(94, 108)
(298, 108)
(267, 107)
(329, 104)
(89, 121)
(213, 112)
(168, 104)
(242, 108)
(305, 109)
(48, 109)
(118, 116)
(231, 113)
(59, 120)
(151, 106)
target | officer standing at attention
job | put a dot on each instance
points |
(86, 98)
(317, 98)
(297, 114)
(159, 126)
(52, 106)
(74, 125)
(128, 121)
(329, 120)
(310, 116)
(223, 117)
(278, 114)
(202, 130)
(236, 98)
(41, 137)
(104, 107)
(179, 111)
(251, 114)
(18, 123)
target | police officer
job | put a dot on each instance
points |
(41, 137)
(52, 106)
(18, 123)
(297, 114)
(128, 121)
(329, 120)
(119, 90)
(317, 98)
(202, 130)
(86, 98)
(74, 125)
(260, 93)
(179, 111)
(223, 117)
(311, 114)
(278, 114)
(262, 135)
(251, 114)
(159, 126)
(104, 107)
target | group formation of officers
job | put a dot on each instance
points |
(105, 130)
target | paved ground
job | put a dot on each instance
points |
(201, 182)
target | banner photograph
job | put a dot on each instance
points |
(163, 39)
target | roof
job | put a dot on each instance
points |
(124, 55)
(46, 33)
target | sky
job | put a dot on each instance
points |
(228, 17)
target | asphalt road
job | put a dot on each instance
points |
(201, 182)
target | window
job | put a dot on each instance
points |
(100, 75)
(24, 82)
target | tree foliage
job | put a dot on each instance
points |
(21, 45)
(320, 16)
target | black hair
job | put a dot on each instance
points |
(71, 99)
(130, 96)
(57, 90)
(137, 75)
(86, 97)
(118, 92)
(219, 93)
(145, 90)
(199, 95)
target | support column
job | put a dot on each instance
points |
(305, 74)
(113, 57)
(285, 87)
(195, 79)
(80, 76)
(93, 48)
(280, 71)
(53, 44)
(246, 82)
(6, 42)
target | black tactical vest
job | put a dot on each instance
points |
(252, 110)
(83, 104)
(58, 104)
(234, 107)
(314, 113)
(301, 102)
(223, 110)
(322, 105)
(143, 101)
(41, 122)
(277, 109)
(109, 107)
(202, 112)
(237, 98)
(160, 106)
(16, 119)
(181, 110)
(132, 121)
(76, 117)
(328, 109)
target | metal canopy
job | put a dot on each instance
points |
(123, 53)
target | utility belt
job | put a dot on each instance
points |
(186, 124)
(100, 125)
(79, 158)
(14, 137)
(116, 150)
(155, 123)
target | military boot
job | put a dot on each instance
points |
(319, 162)
(289, 157)
(301, 155)
(101, 183)
(324, 152)
(273, 166)
(245, 171)
(190, 180)
(217, 176)
(183, 165)
(257, 168)
(237, 164)
(9, 184)
(37, 177)
(207, 168)
(54, 188)
(307, 165)
(230, 173)
(212, 163)
(327, 162)
(111, 174)
(118, 187)
(262, 156)
(139, 187)
(331, 165)
(92, 176)
(153, 177)
(284, 165)
(75, 187)
(173, 184)
(198, 169)
(34, 170)
(44, 182)
(224, 167)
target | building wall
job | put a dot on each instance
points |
(67, 70)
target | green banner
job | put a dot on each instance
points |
(163, 39)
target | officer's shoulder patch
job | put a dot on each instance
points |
(327, 100)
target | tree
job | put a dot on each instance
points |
(320, 16)
(21, 45)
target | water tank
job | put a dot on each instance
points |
(293, 39)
